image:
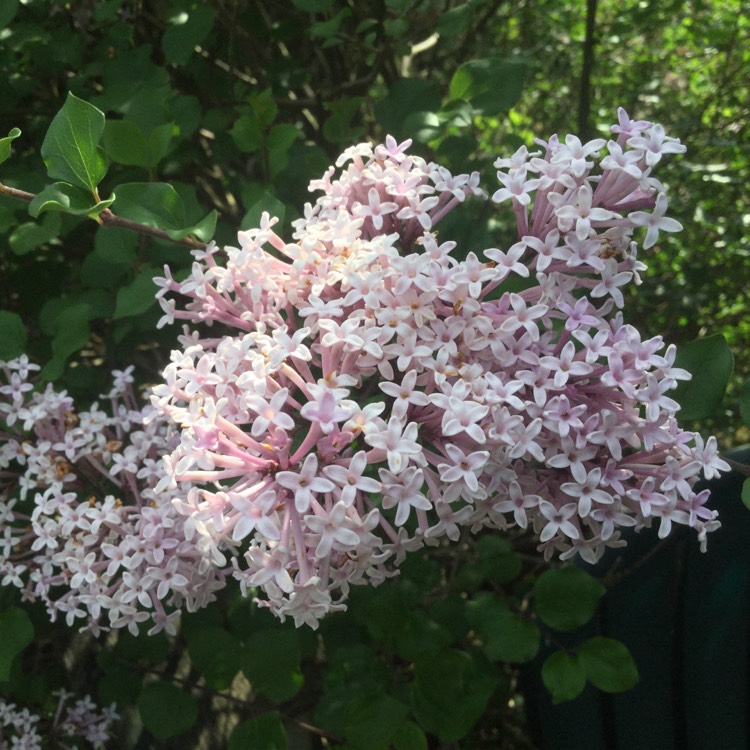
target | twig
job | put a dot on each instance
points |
(107, 219)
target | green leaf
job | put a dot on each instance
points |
(67, 199)
(158, 143)
(492, 85)
(608, 664)
(120, 685)
(116, 245)
(125, 143)
(746, 493)
(8, 12)
(338, 128)
(247, 133)
(405, 97)
(280, 140)
(264, 732)
(159, 205)
(507, 636)
(167, 711)
(29, 236)
(563, 676)
(450, 692)
(71, 146)
(370, 721)
(5, 144)
(409, 737)
(213, 651)
(138, 296)
(566, 598)
(497, 560)
(261, 200)
(71, 335)
(181, 39)
(13, 335)
(709, 360)
(16, 632)
(744, 403)
(270, 661)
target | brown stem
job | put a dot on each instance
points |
(107, 219)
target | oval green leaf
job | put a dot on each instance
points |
(608, 664)
(566, 598)
(563, 676)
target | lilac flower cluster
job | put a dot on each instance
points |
(368, 388)
(86, 529)
(20, 729)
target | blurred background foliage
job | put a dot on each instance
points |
(239, 103)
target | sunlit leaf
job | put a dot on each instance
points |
(5, 144)
(67, 199)
(71, 148)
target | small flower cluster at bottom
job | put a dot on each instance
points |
(84, 529)
(81, 720)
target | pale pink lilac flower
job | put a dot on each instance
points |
(422, 391)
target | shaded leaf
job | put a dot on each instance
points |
(13, 335)
(709, 360)
(409, 737)
(608, 664)
(746, 493)
(71, 335)
(744, 402)
(566, 598)
(125, 143)
(16, 632)
(71, 146)
(213, 651)
(506, 635)
(405, 97)
(264, 732)
(181, 39)
(166, 710)
(271, 662)
(138, 296)
(450, 692)
(563, 676)
(492, 85)
(8, 11)
(29, 236)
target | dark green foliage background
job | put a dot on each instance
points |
(237, 104)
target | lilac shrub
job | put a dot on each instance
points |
(368, 388)
(86, 529)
